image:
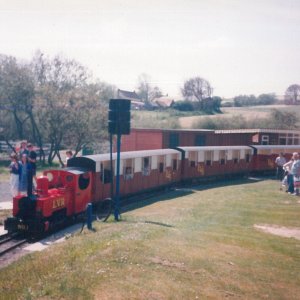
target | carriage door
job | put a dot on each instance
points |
(83, 191)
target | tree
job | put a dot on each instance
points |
(52, 100)
(89, 118)
(145, 90)
(183, 105)
(70, 110)
(16, 94)
(266, 99)
(57, 83)
(292, 94)
(244, 100)
(155, 92)
(197, 89)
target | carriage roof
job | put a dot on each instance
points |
(93, 162)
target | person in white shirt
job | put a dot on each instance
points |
(280, 161)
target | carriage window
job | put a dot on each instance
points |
(128, 169)
(248, 156)
(174, 164)
(161, 167)
(146, 166)
(84, 181)
(193, 159)
(161, 163)
(235, 156)
(222, 157)
(105, 173)
(208, 157)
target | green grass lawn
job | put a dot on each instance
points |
(188, 244)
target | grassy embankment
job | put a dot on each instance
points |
(185, 245)
(164, 119)
(239, 117)
(231, 117)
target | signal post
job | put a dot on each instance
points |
(118, 124)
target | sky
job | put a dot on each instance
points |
(239, 46)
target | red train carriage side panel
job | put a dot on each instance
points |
(265, 155)
(139, 171)
(212, 161)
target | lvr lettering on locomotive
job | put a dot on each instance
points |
(58, 202)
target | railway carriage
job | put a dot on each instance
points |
(215, 161)
(139, 171)
(265, 155)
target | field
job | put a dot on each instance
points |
(175, 119)
(187, 244)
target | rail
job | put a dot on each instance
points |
(9, 243)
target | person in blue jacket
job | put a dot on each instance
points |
(24, 174)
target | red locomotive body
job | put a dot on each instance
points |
(60, 194)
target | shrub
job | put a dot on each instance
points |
(184, 105)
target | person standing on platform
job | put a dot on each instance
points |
(295, 170)
(23, 149)
(15, 173)
(69, 154)
(280, 161)
(290, 178)
(32, 162)
(24, 175)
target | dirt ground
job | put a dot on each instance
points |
(280, 231)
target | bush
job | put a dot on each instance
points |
(184, 105)
(245, 100)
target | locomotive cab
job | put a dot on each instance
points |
(75, 184)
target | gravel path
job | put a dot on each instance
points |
(5, 194)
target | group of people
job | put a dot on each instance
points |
(22, 167)
(289, 173)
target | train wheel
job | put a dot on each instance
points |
(104, 209)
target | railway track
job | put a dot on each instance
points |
(10, 242)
